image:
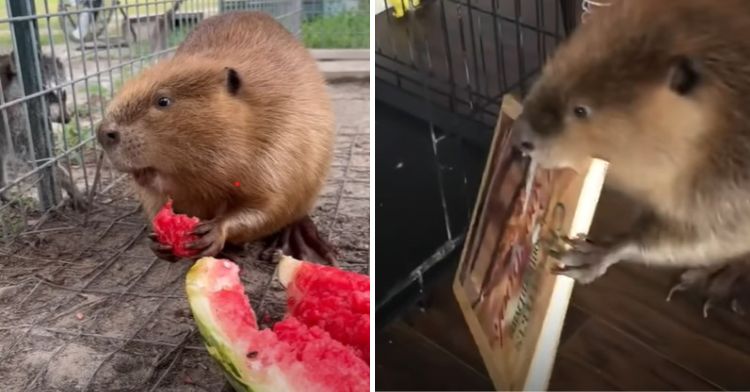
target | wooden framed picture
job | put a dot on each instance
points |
(514, 305)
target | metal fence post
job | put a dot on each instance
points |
(27, 49)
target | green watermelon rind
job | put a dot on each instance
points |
(221, 353)
(219, 347)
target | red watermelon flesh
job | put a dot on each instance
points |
(289, 357)
(326, 297)
(175, 230)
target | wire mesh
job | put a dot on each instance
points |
(448, 63)
(463, 55)
(65, 59)
(89, 308)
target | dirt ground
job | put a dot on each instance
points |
(85, 306)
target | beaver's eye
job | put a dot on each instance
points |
(164, 102)
(581, 112)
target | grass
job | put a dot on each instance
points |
(72, 138)
(177, 36)
(125, 74)
(12, 220)
(346, 30)
(43, 23)
(342, 31)
(97, 89)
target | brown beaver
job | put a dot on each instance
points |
(237, 127)
(659, 89)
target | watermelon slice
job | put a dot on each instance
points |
(289, 357)
(175, 230)
(315, 298)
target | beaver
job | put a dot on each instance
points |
(15, 145)
(237, 128)
(659, 89)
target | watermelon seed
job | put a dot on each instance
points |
(252, 354)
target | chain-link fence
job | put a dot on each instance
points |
(61, 61)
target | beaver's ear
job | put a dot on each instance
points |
(233, 81)
(684, 75)
(10, 67)
(7, 70)
(59, 64)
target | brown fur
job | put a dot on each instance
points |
(684, 154)
(274, 136)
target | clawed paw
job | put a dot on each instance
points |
(302, 241)
(725, 285)
(584, 261)
(210, 240)
(161, 251)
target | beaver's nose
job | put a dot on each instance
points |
(523, 135)
(527, 146)
(108, 135)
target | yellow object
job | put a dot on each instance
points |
(400, 6)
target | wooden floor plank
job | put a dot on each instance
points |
(407, 361)
(628, 363)
(633, 302)
(442, 322)
(722, 324)
(573, 375)
(574, 320)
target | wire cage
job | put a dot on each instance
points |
(446, 64)
(61, 61)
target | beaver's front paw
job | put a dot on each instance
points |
(161, 251)
(211, 236)
(585, 261)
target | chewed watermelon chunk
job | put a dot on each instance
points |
(289, 357)
(327, 297)
(175, 230)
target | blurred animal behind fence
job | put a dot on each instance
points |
(15, 143)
